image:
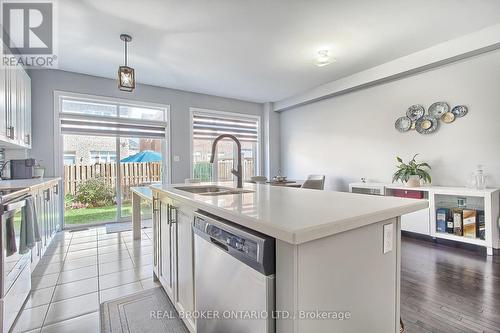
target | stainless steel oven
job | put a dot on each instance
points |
(15, 268)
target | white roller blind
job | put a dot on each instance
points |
(210, 126)
(90, 123)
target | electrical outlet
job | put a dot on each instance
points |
(388, 236)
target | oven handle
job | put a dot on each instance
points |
(13, 206)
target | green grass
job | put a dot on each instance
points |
(99, 214)
(91, 215)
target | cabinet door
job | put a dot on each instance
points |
(46, 215)
(3, 102)
(39, 203)
(13, 99)
(184, 277)
(156, 235)
(166, 238)
(57, 208)
(20, 106)
(8, 101)
(27, 111)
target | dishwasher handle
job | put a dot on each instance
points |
(220, 245)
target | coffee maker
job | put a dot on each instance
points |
(22, 169)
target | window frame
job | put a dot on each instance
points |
(231, 115)
(60, 95)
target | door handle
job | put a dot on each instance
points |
(173, 214)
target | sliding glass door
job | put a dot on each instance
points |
(109, 146)
(90, 179)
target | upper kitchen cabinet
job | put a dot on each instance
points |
(15, 107)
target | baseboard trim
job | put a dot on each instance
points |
(449, 243)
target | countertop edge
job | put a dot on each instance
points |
(40, 183)
(307, 234)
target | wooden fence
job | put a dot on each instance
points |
(131, 174)
(203, 170)
(137, 174)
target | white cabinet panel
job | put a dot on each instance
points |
(173, 252)
(418, 222)
(166, 248)
(184, 261)
(15, 107)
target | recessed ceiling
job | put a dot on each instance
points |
(255, 50)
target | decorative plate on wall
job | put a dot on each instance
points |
(415, 112)
(427, 125)
(403, 124)
(437, 109)
(459, 111)
(448, 117)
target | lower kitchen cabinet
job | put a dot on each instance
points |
(47, 205)
(184, 260)
(173, 253)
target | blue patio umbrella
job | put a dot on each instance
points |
(143, 157)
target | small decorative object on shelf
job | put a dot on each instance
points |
(469, 222)
(416, 119)
(279, 178)
(412, 173)
(39, 170)
(480, 178)
(458, 222)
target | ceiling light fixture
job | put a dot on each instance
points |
(323, 58)
(126, 75)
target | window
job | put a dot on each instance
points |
(69, 157)
(102, 156)
(120, 142)
(206, 126)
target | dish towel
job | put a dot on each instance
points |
(10, 236)
(30, 233)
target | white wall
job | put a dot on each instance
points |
(44, 82)
(353, 136)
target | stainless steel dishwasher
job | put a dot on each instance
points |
(234, 277)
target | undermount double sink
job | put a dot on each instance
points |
(212, 190)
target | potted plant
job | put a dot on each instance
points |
(412, 173)
(39, 170)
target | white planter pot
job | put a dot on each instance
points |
(38, 172)
(413, 181)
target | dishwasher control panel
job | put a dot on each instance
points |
(249, 246)
(246, 246)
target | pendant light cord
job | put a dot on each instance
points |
(126, 53)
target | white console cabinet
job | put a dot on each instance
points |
(424, 221)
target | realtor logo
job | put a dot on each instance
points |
(28, 27)
(28, 34)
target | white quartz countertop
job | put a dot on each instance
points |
(296, 215)
(143, 192)
(32, 184)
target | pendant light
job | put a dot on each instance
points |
(126, 75)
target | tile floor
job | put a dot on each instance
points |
(78, 272)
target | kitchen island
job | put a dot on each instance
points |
(337, 254)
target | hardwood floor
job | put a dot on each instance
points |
(448, 290)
